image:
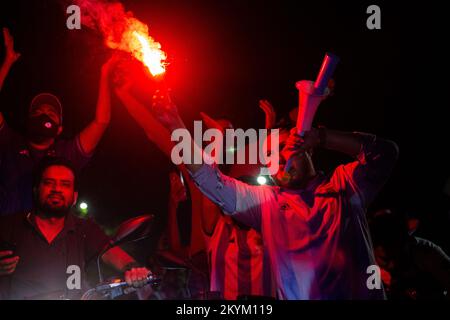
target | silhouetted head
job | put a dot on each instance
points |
(390, 235)
(44, 118)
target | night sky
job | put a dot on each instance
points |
(224, 57)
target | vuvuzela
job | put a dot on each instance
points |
(311, 94)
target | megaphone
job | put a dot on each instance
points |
(311, 93)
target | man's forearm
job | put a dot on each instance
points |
(356, 143)
(103, 111)
(91, 135)
(375, 160)
(345, 142)
(153, 129)
(196, 151)
(206, 176)
(4, 70)
(118, 259)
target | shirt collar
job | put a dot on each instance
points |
(69, 222)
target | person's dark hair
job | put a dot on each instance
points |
(388, 228)
(50, 162)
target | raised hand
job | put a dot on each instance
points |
(269, 111)
(297, 144)
(8, 264)
(11, 55)
(165, 111)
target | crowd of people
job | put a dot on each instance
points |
(305, 235)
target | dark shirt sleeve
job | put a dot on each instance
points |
(71, 150)
(95, 240)
(367, 175)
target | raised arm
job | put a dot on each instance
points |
(11, 57)
(233, 197)
(91, 135)
(374, 164)
(375, 158)
(155, 132)
(166, 113)
(269, 112)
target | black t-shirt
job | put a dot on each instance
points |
(17, 162)
(42, 271)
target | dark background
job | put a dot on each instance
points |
(225, 56)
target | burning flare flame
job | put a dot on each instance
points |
(122, 31)
(150, 54)
(136, 40)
